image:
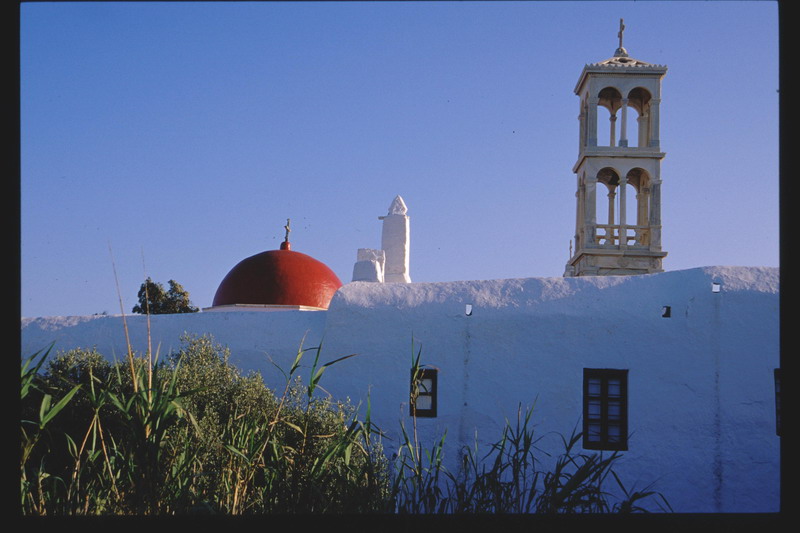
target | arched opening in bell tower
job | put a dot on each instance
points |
(623, 212)
(616, 125)
(606, 208)
(609, 99)
(638, 136)
(638, 207)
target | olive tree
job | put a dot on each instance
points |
(154, 300)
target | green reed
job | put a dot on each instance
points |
(190, 434)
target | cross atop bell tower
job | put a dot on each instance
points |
(619, 234)
(621, 52)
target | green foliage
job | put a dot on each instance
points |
(322, 459)
(192, 435)
(76, 366)
(508, 479)
(154, 300)
(36, 484)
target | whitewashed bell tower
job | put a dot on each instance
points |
(618, 198)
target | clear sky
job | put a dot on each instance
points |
(179, 137)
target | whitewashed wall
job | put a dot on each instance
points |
(701, 393)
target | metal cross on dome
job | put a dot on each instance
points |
(288, 229)
(621, 31)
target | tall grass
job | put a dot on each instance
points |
(509, 477)
(36, 484)
(190, 434)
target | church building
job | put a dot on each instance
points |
(629, 169)
(676, 370)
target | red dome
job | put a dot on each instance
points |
(279, 277)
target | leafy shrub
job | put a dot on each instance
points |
(154, 300)
(191, 434)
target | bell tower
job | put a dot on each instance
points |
(618, 198)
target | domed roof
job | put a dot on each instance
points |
(278, 277)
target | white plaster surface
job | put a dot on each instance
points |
(369, 265)
(398, 206)
(701, 393)
(396, 243)
(368, 254)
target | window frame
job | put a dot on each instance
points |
(603, 418)
(423, 374)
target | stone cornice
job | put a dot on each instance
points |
(609, 70)
(617, 153)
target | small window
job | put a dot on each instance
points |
(423, 393)
(605, 409)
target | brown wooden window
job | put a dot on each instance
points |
(605, 409)
(423, 393)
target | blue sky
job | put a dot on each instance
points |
(179, 137)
